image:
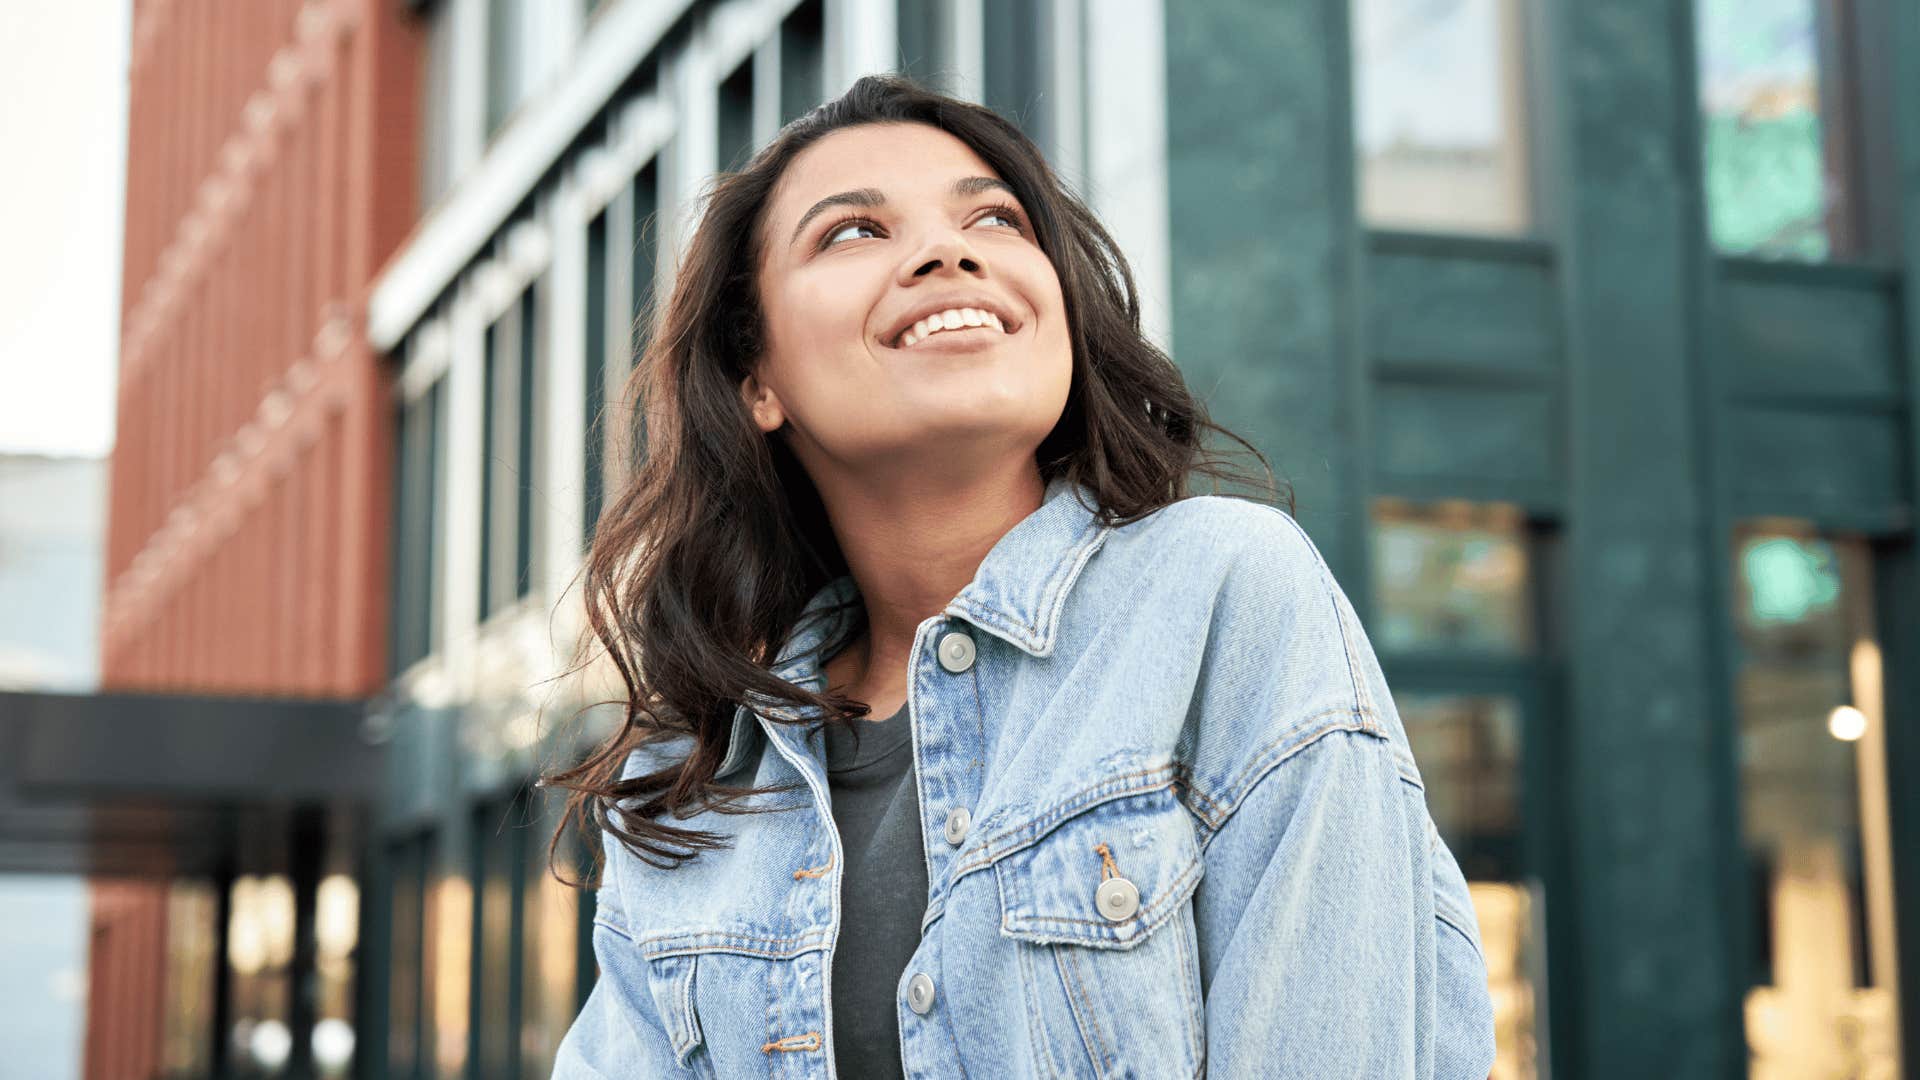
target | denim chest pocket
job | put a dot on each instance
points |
(670, 983)
(1099, 905)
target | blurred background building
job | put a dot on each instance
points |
(1585, 333)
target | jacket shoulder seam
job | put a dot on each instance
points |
(1214, 810)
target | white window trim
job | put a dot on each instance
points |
(482, 197)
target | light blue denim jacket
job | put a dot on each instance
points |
(1195, 840)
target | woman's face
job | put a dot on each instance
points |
(875, 235)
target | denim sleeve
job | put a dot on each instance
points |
(1321, 953)
(617, 1032)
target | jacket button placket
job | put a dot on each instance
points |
(955, 654)
(956, 651)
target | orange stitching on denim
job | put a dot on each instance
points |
(820, 871)
(1153, 910)
(1107, 869)
(1078, 803)
(809, 1041)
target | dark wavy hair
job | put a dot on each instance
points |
(703, 563)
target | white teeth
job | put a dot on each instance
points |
(950, 319)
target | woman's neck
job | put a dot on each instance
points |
(910, 553)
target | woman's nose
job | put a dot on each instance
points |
(948, 250)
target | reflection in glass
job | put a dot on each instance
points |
(1508, 937)
(595, 346)
(1776, 166)
(496, 967)
(925, 53)
(409, 959)
(259, 956)
(1451, 576)
(1814, 807)
(188, 1005)
(550, 926)
(802, 38)
(507, 42)
(337, 934)
(735, 116)
(451, 937)
(1468, 750)
(1440, 116)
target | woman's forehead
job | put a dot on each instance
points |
(900, 161)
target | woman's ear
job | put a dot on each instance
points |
(763, 403)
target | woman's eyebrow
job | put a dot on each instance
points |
(871, 198)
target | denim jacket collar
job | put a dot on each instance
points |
(1017, 595)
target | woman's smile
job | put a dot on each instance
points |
(964, 339)
(954, 330)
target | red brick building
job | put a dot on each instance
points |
(270, 170)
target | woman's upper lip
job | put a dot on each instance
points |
(950, 303)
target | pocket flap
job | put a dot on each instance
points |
(670, 980)
(1050, 889)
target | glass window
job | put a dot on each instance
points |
(437, 98)
(1453, 575)
(498, 874)
(645, 247)
(337, 939)
(1440, 115)
(187, 1007)
(449, 934)
(1468, 751)
(736, 116)
(1780, 176)
(596, 348)
(801, 45)
(524, 479)
(1455, 578)
(510, 378)
(416, 523)
(1016, 39)
(506, 59)
(1813, 782)
(925, 54)
(550, 945)
(408, 1021)
(526, 984)
(490, 391)
(260, 959)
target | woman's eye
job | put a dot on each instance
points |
(842, 230)
(1003, 216)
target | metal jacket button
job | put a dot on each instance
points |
(956, 651)
(920, 993)
(1117, 899)
(958, 821)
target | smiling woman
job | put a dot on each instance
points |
(961, 738)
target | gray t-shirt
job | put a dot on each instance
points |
(883, 890)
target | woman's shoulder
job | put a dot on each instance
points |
(1227, 537)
